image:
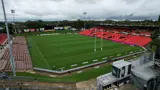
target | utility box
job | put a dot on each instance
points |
(121, 69)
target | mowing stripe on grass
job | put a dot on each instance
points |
(41, 54)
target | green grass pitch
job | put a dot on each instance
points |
(65, 50)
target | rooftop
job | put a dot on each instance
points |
(146, 71)
(106, 79)
(121, 63)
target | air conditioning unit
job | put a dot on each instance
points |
(121, 68)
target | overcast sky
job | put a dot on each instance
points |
(73, 9)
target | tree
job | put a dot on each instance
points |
(159, 19)
(155, 34)
(10, 28)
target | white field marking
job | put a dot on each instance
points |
(105, 57)
(96, 67)
(41, 53)
(84, 62)
(74, 65)
(95, 60)
(118, 54)
(131, 52)
(62, 68)
(79, 71)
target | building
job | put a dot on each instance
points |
(120, 75)
(142, 73)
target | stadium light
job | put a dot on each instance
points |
(85, 19)
(13, 22)
(95, 41)
(10, 47)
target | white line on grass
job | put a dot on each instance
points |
(41, 53)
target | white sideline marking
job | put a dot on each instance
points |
(84, 62)
(131, 52)
(95, 60)
(105, 57)
(73, 65)
(41, 53)
(118, 54)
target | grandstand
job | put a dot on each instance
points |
(21, 56)
(121, 35)
(3, 40)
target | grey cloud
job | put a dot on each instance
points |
(131, 1)
(40, 13)
(56, 0)
(73, 9)
(87, 1)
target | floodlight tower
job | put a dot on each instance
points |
(10, 47)
(85, 14)
(13, 22)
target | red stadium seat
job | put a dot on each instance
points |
(21, 56)
(122, 35)
(3, 38)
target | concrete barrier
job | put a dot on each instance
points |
(85, 66)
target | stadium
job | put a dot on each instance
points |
(74, 51)
(61, 53)
(80, 54)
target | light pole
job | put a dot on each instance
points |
(85, 19)
(13, 22)
(95, 41)
(10, 47)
